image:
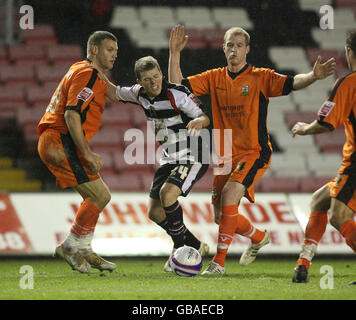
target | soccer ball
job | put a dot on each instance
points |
(186, 262)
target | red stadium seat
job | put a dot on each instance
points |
(116, 116)
(279, 184)
(123, 162)
(196, 39)
(311, 184)
(18, 73)
(3, 54)
(107, 138)
(214, 37)
(331, 141)
(40, 94)
(139, 118)
(123, 182)
(292, 117)
(12, 94)
(30, 116)
(65, 53)
(54, 73)
(24, 52)
(40, 35)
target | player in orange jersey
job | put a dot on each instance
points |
(72, 118)
(239, 99)
(339, 195)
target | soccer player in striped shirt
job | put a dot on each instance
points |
(239, 95)
(339, 195)
(174, 113)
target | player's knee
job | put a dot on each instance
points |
(168, 195)
(103, 198)
(335, 221)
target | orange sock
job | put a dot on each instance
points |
(314, 232)
(85, 219)
(247, 229)
(348, 230)
(316, 227)
(227, 226)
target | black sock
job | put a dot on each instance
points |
(176, 227)
(190, 240)
(164, 224)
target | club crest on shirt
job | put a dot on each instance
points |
(214, 194)
(85, 94)
(244, 91)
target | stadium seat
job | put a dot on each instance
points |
(42, 35)
(214, 37)
(24, 52)
(196, 39)
(3, 54)
(313, 5)
(156, 16)
(292, 117)
(12, 94)
(107, 138)
(125, 17)
(229, 17)
(17, 74)
(123, 182)
(30, 116)
(54, 73)
(195, 17)
(139, 118)
(40, 94)
(311, 184)
(125, 161)
(116, 116)
(323, 164)
(287, 164)
(331, 141)
(278, 184)
(65, 53)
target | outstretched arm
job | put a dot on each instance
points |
(177, 42)
(303, 129)
(111, 88)
(320, 71)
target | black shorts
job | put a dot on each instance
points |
(182, 175)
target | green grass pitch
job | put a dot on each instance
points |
(144, 279)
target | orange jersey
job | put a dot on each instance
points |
(340, 108)
(80, 90)
(239, 102)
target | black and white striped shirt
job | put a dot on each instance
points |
(169, 114)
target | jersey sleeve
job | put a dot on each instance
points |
(200, 83)
(81, 90)
(336, 109)
(277, 84)
(128, 94)
(189, 104)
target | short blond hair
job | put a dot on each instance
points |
(237, 31)
(145, 64)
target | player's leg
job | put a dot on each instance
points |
(314, 231)
(342, 219)
(96, 196)
(343, 206)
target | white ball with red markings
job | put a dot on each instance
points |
(186, 262)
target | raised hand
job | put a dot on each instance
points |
(177, 39)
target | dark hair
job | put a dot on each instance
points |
(145, 64)
(351, 40)
(96, 37)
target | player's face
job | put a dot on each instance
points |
(107, 54)
(151, 81)
(236, 49)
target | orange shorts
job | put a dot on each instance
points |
(245, 169)
(59, 153)
(343, 188)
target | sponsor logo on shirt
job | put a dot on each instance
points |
(326, 108)
(195, 99)
(85, 94)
